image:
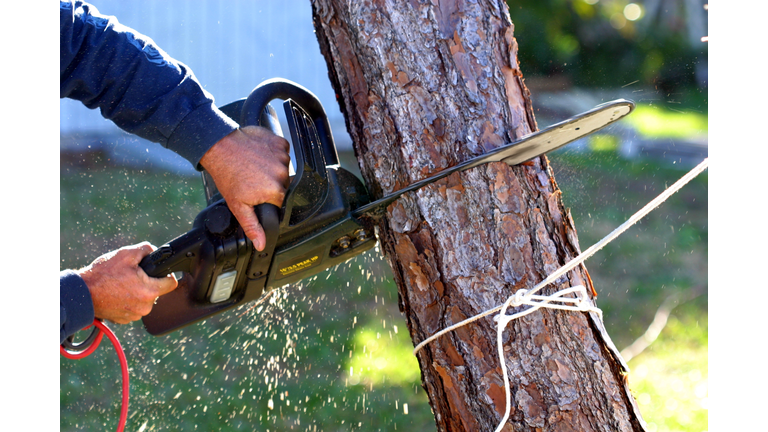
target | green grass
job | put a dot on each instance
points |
(669, 379)
(386, 357)
(655, 121)
(285, 364)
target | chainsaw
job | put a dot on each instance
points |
(327, 216)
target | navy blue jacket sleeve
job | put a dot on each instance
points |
(145, 92)
(109, 66)
(75, 302)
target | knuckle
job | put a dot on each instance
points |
(250, 227)
(145, 245)
(275, 188)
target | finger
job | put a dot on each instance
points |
(283, 157)
(273, 192)
(250, 224)
(125, 316)
(271, 138)
(126, 320)
(143, 249)
(282, 144)
(283, 178)
(277, 201)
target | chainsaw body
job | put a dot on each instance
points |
(313, 231)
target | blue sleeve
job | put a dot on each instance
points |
(75, 302)
(135, 84)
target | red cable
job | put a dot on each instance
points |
(123, 364)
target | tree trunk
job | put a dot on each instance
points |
(425, 85)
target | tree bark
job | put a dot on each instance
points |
(425, 85)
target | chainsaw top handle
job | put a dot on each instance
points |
(279, 88)
(312, 141)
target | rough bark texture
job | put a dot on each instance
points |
(425, 85)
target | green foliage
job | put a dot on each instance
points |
(595, 43)
(663, 254)
(603, 142)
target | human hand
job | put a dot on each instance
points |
(120, 290)
(250, 167)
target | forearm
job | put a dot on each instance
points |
(135, 84)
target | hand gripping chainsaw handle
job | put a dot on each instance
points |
(221, 268)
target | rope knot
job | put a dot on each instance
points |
(518, 299)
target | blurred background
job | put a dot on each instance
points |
(333, 353)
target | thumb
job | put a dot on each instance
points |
(250, 224)
(165, 285)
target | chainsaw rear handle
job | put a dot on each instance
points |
(187, 252)
(207, 254)
(173, 256)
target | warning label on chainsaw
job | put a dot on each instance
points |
(300, 264)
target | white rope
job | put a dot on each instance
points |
(580, 303)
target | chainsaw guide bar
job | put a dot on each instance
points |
(525, 149)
